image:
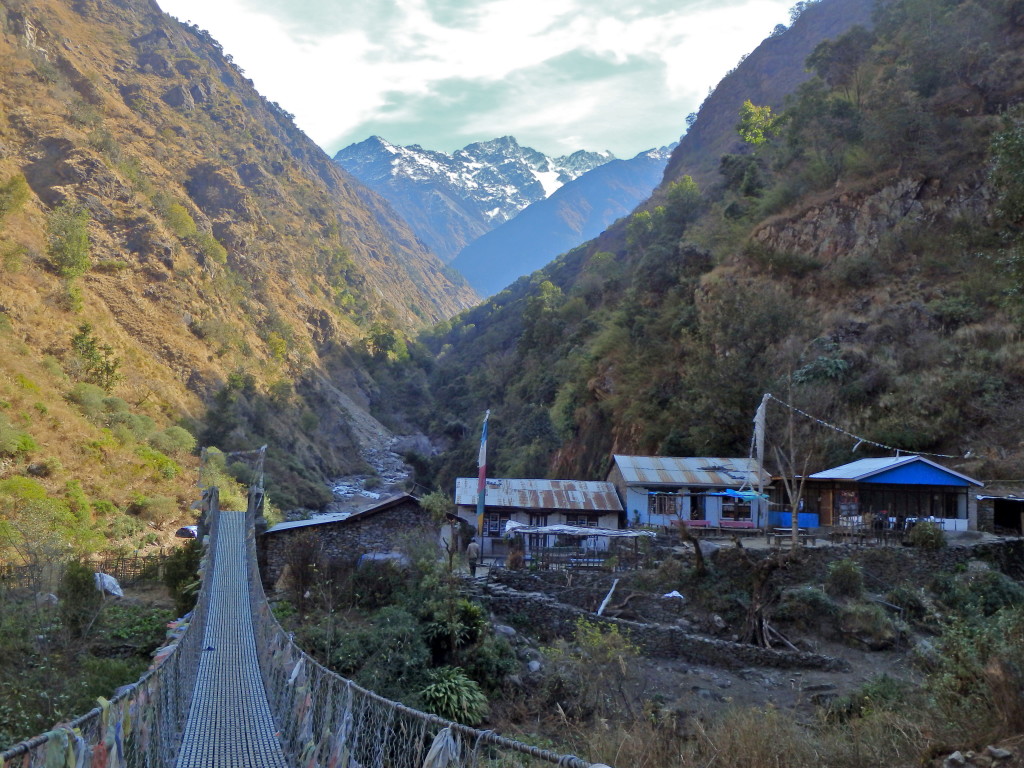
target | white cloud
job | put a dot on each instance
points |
(366, 67)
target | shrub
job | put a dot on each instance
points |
(176, 441)
(454, 696)
(869, 625)
(181, 575)
(155, 509)
(123, 527)
(80, 601)
(14, 442)
(13, 194)
(882, 693)
(140, 626)
(211, 248)
(806, 608)
(180, 221)
(980, 676)
(990, 591)
(845, 579)
(927, 536)
(67, 236)
(910, 600)
(389, 658)
(97, 362)
(589, 675)
(129, 427)
(89, 398)
(162, 464)
(490, 662)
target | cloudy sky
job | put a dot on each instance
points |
(559, 75)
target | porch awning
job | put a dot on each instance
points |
(745, 495)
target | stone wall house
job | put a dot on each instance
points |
(346, 536)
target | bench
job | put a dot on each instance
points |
(739, 527)
(778, 537)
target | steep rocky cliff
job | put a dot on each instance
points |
(221, 241)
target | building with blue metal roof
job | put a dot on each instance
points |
(895, 489)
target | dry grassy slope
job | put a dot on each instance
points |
(111, 104)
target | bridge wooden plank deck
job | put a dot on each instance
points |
(229, 723)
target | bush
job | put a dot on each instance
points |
(454, 696)
(211, 248)
(910, 600)
(159, 510)
(845, 579)
(806, 608)
(123, 527)
(89, 398)
(490, 662)
(80, 601)
(869, 625)
(927, 536)
(67, 235)
(175, 441)
(13, 194)
(882, 693)
(988, 592)
(163, 465)
(14, 442)
(977, 687)
(129, 427)
(181, 575)
(389, 658)
(140, 626)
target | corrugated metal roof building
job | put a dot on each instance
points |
(659, 490)
(583, 503)
(550, 495)
(689, 471)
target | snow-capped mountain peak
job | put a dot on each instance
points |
(469, 191)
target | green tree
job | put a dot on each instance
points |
(757, 124)
(98, 364)
(837, 62)
(67, 237)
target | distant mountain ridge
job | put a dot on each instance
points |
(577, 212)
(451, 200)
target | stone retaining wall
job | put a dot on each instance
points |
(544, 616)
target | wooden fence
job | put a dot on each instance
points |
(129, 570)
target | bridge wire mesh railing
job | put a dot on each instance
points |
(141, 726)
(327, 720)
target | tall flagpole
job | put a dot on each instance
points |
(760, 427)
(481, 485)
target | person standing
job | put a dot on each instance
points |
(473, 555)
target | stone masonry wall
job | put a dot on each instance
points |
(549, 618)
(347, 539)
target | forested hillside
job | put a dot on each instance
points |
(859, 258)
(178, 265)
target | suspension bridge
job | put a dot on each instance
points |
(234, 691)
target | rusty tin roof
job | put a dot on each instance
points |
(690, 471)
(594, 495)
